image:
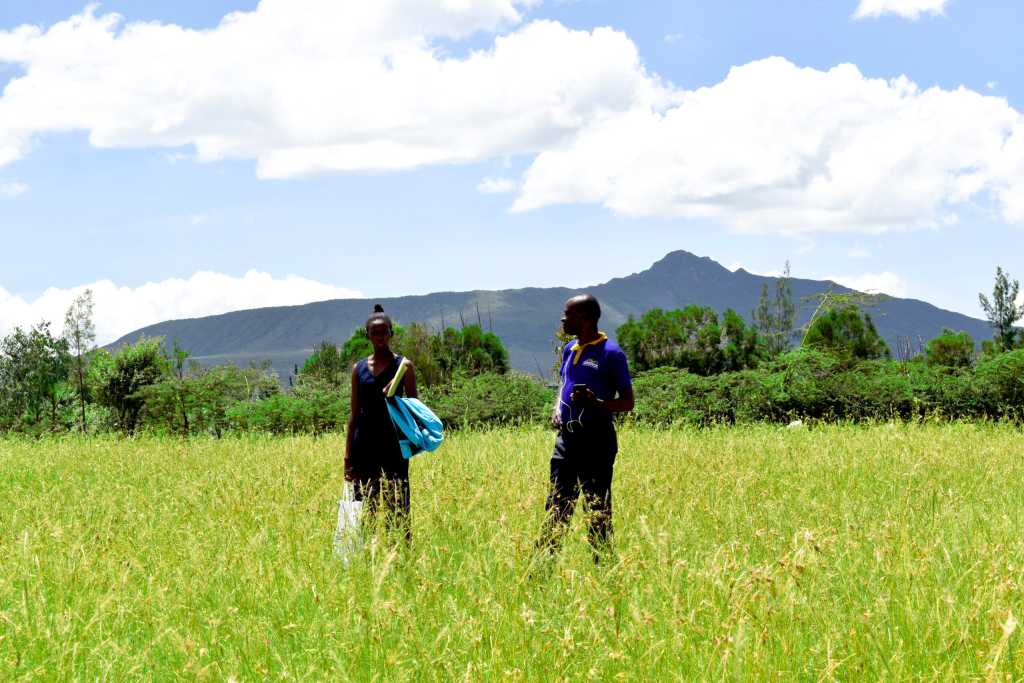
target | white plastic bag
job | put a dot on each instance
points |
(348, 538)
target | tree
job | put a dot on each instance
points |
(689, 338)
(951, 349)
(33, 365)
(80, 333)
(192, 399)
(437, 357)
(1003, 311)
(776, 316)
(558, 347)
(355, 348)
(417, 344)
(134, 367)
(469, 351)
(842, 325)
(846, 330)
(176, 390)
(328, 363)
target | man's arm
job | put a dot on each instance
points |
(623, 404)
(556, 411)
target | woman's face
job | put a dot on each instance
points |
(380, 336)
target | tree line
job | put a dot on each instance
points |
(61, 382)
(695, 339)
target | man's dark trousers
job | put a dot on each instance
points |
(583, 462)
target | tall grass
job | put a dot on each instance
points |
(756, 553)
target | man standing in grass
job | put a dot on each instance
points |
(594, 384)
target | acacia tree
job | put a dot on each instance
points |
(690, 338)
(80, 333)
(33, 365)
(775, 317)
(437, 356)
(1002, 312)
(133, 367)
(950, 349)
(830, 300)
(850, 331)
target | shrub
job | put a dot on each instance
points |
(191, 399)
(848, 330)
(437, 357)
(490, 399)
(951, 349)
(133, 367)
(830, 386)
(283, 414)
(689, 338)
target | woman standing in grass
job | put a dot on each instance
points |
(373, 457)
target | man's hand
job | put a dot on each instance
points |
(556, 419)
(586, 400)
(350, 472)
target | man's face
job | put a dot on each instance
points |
(572, 318)
(380, 336)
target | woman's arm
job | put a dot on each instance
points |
(353, 417)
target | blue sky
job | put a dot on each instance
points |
(360, 160)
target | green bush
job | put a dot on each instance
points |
(951, 349)
(119, 383)
(822, 385)
(437, 357)
(848, 330)
(490, 399)
(284, 414)
(690, 338)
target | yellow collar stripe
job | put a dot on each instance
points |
(579, 349)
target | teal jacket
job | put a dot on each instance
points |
(418, 428)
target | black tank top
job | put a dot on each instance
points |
(375, 449)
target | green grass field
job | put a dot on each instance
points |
(757, 553)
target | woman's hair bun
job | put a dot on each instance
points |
(379, 316)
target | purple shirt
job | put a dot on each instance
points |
(602, 367)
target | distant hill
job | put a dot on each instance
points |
(525, 319)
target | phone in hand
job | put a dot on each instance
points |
(579, 388)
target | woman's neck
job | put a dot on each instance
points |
(383, 355)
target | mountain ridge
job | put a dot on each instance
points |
(525, 318)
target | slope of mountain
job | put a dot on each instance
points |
(525, 319)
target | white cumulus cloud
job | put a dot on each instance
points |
(119, 310)
(309, 87)
(777, 148)
(496, 185)
(882, 283)
(909, 9)
(11, 188)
